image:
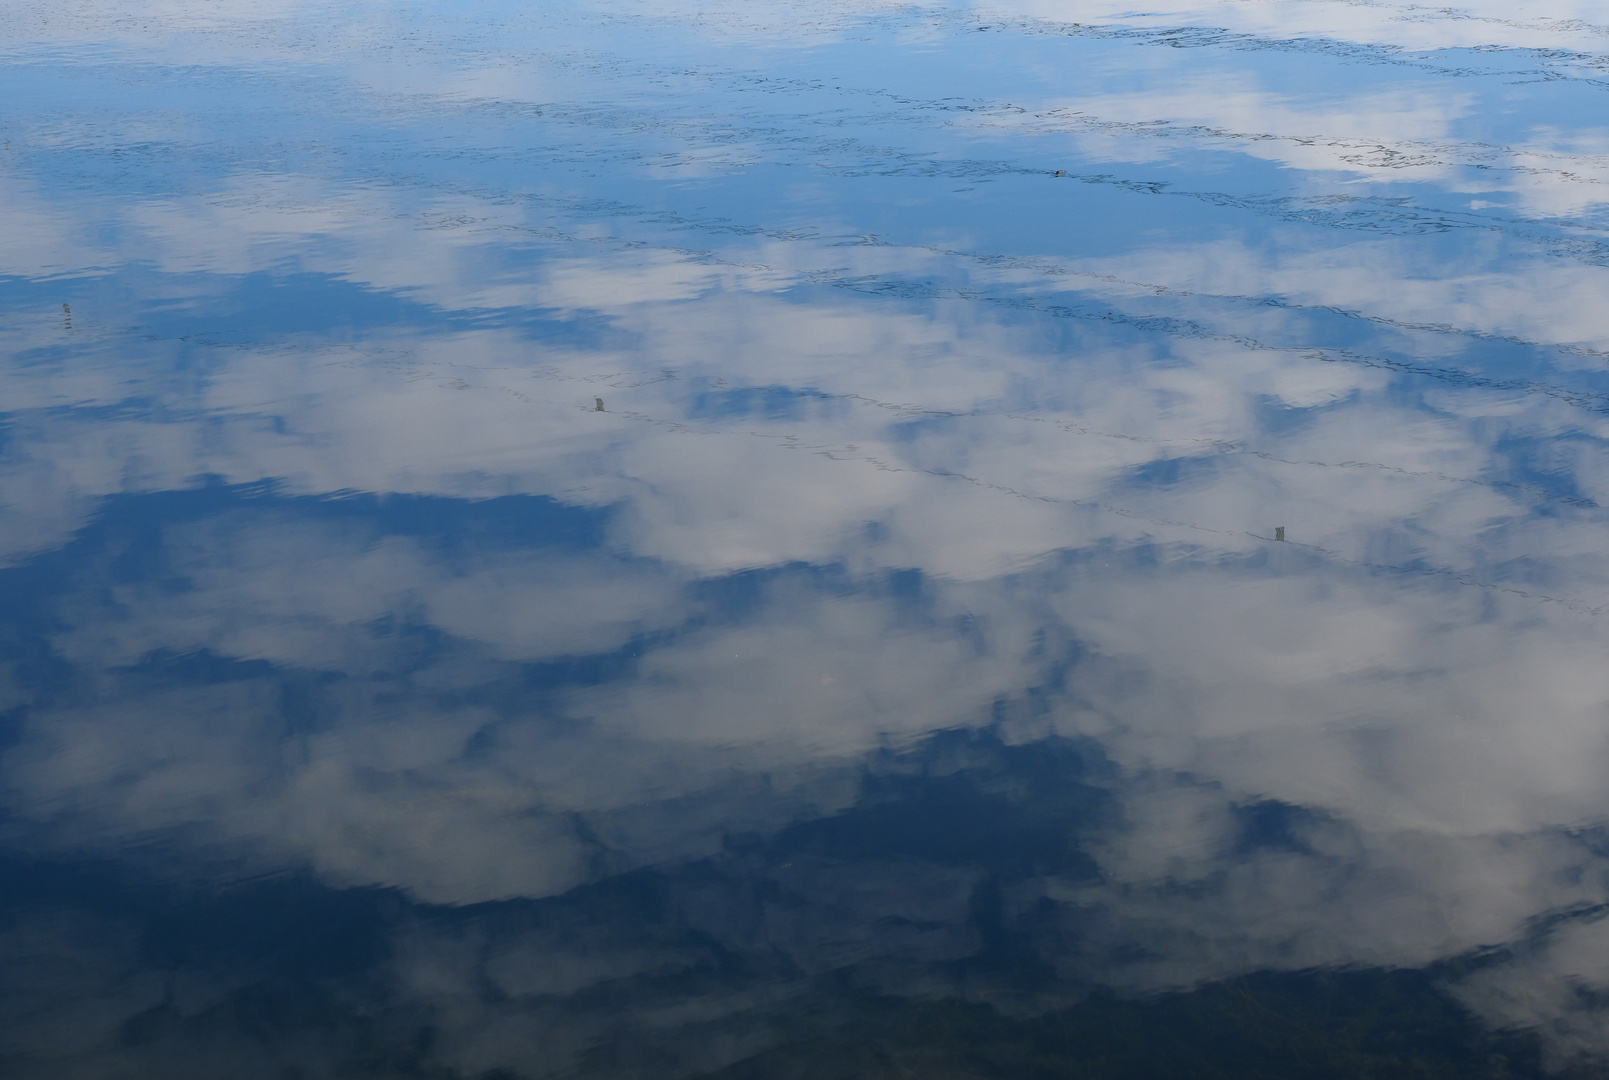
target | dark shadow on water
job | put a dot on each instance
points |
(876, 942)
(1357, 1025)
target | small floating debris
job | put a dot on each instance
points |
(599, 408)
(1279, 532)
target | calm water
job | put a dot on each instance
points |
(795, 539)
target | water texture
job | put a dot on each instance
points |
(771, 539)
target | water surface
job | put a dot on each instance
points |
(797, 539)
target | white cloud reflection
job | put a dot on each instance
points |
(1416, 675)
(858, 480)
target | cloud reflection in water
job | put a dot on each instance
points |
(913, 616)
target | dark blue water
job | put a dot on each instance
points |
(788, 539)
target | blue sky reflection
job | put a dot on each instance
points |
(957, 367)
